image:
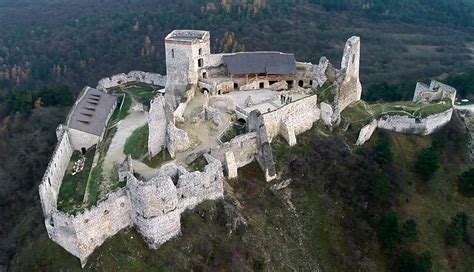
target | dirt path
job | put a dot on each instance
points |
(125, 128)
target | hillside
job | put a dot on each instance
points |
(329, 217)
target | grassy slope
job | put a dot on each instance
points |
(301, 228)
(137, 144)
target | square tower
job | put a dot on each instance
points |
(186, 53)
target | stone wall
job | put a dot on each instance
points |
(410, 125)
(53, 177)
(349, 88)
(182, 60)
(133, 76)
(82, 233)
(243, 147)
(80, 139)
(153, 207)
(157, 126)
(292, 119)
(316, 73)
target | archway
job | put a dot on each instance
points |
(83, 151)
(204, 90)
(241, 121)
(300, 83)
(262, 85)
(204, 75)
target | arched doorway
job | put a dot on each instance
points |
(204, 75)
(83, 151)
(300, 83)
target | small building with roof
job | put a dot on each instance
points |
(87, 120)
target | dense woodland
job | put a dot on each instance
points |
(50, 49)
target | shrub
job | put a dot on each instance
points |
(457, 230)
(427, 163)
(410, 262)
(389, 231)
(383, 150)
(410, 231)
(466, 183)
(380, 187)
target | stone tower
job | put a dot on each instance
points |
(186, 52)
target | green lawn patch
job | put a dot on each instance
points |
(137, 144)
(73, 188)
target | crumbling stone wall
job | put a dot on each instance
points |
(243, 147)
(410, 125)
(435, 92)
(313, 75)
(157, 126)
(153, 207)
(80, 234)
(133, 76)
(292, 119)
(53, 177)
(348, 87)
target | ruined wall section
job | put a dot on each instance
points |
(157, 126)
(366, 132)
(53, 177)
(410, 125)
(132, 77)
(80, 234)
(312, 73)
(349, 88)
(292, 119)
(243, 147)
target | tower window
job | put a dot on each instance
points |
(200, 62)
(172, 53)
(200, 51)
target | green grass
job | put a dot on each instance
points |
(141, 93)
(158, 160)
(410, 108)
(233, 131)
(73, 188)
(122, 109)
(137, 144)
(198, 165)
(326, 94)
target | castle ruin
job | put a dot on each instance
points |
(263, 95)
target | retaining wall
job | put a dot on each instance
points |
(410, 125)
(132, 76)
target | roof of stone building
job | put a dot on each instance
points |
(91, 112)
(187, 35)
(270, 63)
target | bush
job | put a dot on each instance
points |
(389, 231)
(427, 163)
(410, 231)
(457, 230)
(380, 187)
(383, 150)
(466, 183)
(410, 262)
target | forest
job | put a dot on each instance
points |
(46, 59)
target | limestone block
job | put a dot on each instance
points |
(366, 132)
